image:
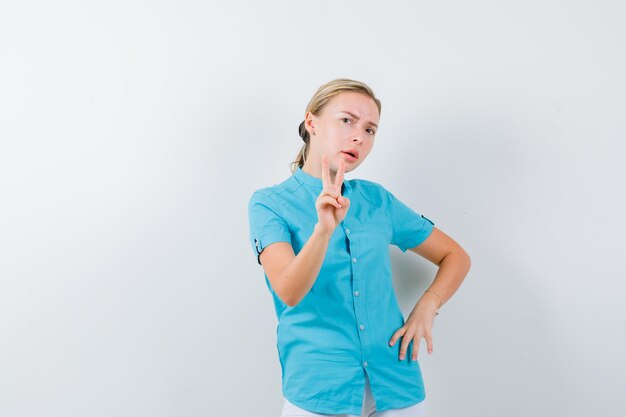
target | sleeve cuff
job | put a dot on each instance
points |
(418, 237)
(266, 240)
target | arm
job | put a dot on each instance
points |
(293, 276)
(454, 264)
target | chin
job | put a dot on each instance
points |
(349, 166)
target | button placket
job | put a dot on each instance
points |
(359, 307)
(356, 292)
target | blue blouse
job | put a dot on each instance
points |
(341, 329)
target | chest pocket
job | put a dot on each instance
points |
(371, 241)
(371, 233)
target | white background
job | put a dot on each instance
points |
(133, 134)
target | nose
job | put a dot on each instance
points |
(358, 137)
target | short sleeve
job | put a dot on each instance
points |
(266, 225)
(409, 227)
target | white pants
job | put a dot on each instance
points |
(369, 408)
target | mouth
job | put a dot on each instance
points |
(350, 155)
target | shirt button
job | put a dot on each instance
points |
(353, 260)
(356, 293)
(361, 327)
(365, 364)
(347, 231)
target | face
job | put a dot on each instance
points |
(348, 123)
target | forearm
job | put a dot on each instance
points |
(452, 270)
(300, 275)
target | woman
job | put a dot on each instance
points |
(343, 344)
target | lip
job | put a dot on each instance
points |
(348, 156)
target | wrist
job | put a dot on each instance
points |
(432, 299)
(317, 230)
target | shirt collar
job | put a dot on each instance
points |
(316, 183)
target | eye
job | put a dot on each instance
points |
(345, 118)
(372, 131)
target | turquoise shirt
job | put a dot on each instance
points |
(341, 329)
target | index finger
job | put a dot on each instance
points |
(325, 172)
(340, 171)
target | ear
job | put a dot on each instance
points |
(310, 120)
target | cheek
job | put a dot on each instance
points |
(336, 130)
(335, 136)
(367, 151)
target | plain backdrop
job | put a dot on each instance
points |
(134, 132)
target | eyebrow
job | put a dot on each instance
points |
(357, 117)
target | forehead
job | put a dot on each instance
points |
(360, 104)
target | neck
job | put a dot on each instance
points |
(314, 168)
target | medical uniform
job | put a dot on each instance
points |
(340, 331)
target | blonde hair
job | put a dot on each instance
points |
(321, 97)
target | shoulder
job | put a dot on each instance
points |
(372, 191)
(274, 195)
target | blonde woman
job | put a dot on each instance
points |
(344, 346)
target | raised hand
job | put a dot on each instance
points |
(331, 205)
